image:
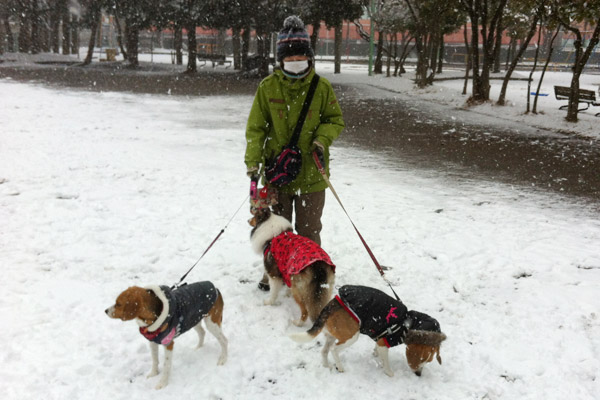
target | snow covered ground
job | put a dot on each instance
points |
(130, 189)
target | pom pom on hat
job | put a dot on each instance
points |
(293, 40)
(293, 22)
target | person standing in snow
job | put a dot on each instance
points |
(275, 111)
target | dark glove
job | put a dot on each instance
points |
(318, 149)
(252, 171)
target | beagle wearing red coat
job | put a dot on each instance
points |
(163, 314)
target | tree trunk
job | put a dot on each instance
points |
(478, 92)
(581, 59)
(120, 37)
(54, 35)
(55, 15)
(388, 64)
(434, 47)
(35, 27)
(314, 36)
(535, 60)
(396, 58)
(262, 51)
(178, 42)
(24, 37)
(468, 59)
(378, 67)
(222, 33)
(66, 31)
(9, 36)
(236, 44)
(548, 58)
(442, 49)
(133, 39)
(93, 31)
(338, 49)
(192, 49)
(515, 60)
(423, 44)
(264, 64)
(245, 48)
(3, 32)
(75, 35)
(406, 49)
(512, 48)
(498, 46)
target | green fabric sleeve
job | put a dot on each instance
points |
(257, 128)
(332, 122)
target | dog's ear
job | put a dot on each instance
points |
(260, 215)
(427, 338)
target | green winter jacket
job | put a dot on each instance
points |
(274, 113)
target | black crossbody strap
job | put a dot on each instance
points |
(304, 111)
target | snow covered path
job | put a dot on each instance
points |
(99, 192)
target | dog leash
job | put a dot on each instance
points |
(379, 268)
(175, 286)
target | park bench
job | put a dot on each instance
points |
(587, 97)
(253, 62)
(215, 59)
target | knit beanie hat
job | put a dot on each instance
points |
(293, 40)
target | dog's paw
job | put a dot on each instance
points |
(222, 359)
(389, 372)
(339, 367)
(152, 374)
(269, 302)
(298, 322)
(161, 385)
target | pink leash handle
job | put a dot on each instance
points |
(254, 188)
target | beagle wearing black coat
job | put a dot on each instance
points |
(163, 314)
(361, 309)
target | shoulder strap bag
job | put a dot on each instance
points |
(286, 166)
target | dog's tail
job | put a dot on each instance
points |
(330, 308)
(321, 288)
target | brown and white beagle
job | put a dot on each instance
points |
(361, 309)
(164, 313)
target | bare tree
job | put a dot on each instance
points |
(539, 7)
(570, 14)
(485, 16)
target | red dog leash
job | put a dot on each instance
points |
(324, 174)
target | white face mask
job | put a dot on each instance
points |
(295, 67)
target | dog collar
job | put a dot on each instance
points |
(147, 334)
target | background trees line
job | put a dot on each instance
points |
(33, 26)
(402, 26)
